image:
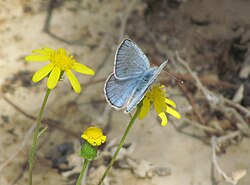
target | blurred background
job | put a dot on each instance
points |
(207, 44)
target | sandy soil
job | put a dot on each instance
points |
(212, 36)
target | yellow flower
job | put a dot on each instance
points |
(60, 62)
(156, 95)
(94, 136)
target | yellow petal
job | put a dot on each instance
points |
(103, 138)
(158, 107)
(145, 108)
(54, 77)
(84, 137)
(164, 119)
(62, 51)
(37, 58)
(74, 82)
(44, 51)
(173, 112)
(48, 50)
(82, 69)
(98, 141)
(41, 73)
(170, 102)
(92, 142)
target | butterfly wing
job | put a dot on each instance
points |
(130, 61)
(143, 85)
(119, 92)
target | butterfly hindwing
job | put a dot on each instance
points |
(118, 92)
(130, 61)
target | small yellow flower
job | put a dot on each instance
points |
(94, 136)
(60, 62)
(157, 96)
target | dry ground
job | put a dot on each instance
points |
(211, 36)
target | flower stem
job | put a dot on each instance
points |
(85, 164)
(35, 137)
(120, 144)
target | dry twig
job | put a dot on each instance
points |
(214, 143)
(215, 101)
(200, 126)
(237, 106)
(191, 100)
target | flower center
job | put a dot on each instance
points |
(158, 92)
(60, 59)
(93, 133)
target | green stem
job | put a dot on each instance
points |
(120, 144)
(86, 163)
(35, 137)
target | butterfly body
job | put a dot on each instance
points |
(131, 78)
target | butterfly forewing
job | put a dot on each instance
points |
(130, 61)
(119, 92)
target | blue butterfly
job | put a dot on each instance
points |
(132, 76)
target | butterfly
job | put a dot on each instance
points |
(132, 76)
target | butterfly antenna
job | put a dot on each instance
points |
(179, 81)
